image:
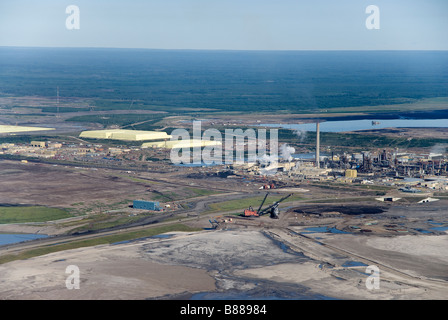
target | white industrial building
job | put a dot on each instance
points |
(127, 135)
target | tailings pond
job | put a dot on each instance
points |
(16, 238)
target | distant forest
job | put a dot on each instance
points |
(247, 81)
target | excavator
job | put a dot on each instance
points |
(272, 209)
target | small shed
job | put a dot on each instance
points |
(38, 144)
(388, 199)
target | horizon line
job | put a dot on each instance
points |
(203, 49)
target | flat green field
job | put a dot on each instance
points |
(31, 214)
(439, 103)
(242, 204)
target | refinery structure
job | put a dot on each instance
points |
(201, 175)
(391, 167)
(323, 206)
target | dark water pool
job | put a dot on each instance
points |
(323, 230)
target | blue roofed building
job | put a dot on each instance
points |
(146, 205)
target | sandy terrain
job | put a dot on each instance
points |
(419, 256)
(241, 263)
(106, 272)
(428, 248)
(411, 267)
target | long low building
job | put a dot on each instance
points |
(180, 144)
(127, 135)
(14, 129)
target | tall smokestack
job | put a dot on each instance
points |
(317, 145)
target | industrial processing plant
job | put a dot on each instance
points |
(222, 150)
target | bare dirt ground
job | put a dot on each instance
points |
(61, 186)
(243, 263)
(85, 192)
(248, 258)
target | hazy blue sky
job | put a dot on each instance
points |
(227, 24)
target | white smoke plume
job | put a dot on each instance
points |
(301, 134)
(286, 152)
(265, 159)
(269, 164)
(439, 148)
